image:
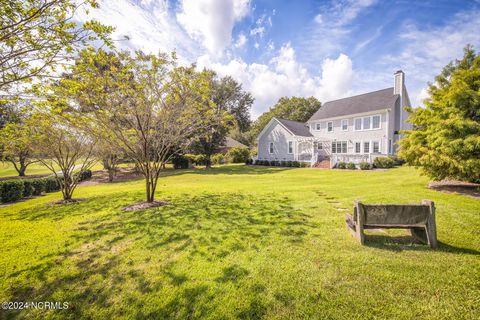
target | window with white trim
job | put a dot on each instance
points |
(358, 147)
(270, 149)
(330, 126)
(366, 123)
(290, 147)
(389, 146)
(376, 122)
(358, 124)
(318, 126)
(375, 147)
(339, 147)
(366, 147)
(345, 124)
(319, 145)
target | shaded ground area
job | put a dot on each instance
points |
(460, 187)
(239, 243)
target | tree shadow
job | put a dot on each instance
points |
(98, 266)
(239, 169)
(401, 243)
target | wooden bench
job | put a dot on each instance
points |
(419, 218)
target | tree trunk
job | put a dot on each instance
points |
(21, 172)
(208, 161)
(111, 173)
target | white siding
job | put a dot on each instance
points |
(280, 137)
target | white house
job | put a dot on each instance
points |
(352, 129)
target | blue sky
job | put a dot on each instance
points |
(326, 49)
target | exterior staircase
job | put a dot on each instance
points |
(322, 164)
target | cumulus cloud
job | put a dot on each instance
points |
(212, 21)
(283, 75)
(241, 41)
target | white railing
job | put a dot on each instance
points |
(355, 158)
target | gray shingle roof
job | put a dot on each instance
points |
(230, 143)
(297, 128)
(377, 100)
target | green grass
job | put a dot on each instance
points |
(240, 242)
(8, 170)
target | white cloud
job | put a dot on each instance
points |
(259, 30)
(425, 51)
(283, 75)
(149, 27)
(241, 41)
(212, 21)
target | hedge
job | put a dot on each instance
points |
(365, 166)
(383, 162)
(13, 190)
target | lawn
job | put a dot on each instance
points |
(8, 170)
(240, 242)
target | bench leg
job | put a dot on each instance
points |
(431, 228)
(359, 223)
(419, 234)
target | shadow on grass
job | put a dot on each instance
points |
(103, 262)
(400, 243)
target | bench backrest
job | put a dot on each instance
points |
(393, 214)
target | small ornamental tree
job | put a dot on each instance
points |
(62, 148)
(143, 104)
(17, 146)
(445, 140)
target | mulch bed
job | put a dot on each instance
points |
(460, 187)
(145, 205)
(69, 201)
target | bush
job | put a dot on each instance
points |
(11, 190)
(398, 161)
(383, 162)
(365, 166)
(249, 162)
(27, 188)
(84, 175)
(341, 165)
(51, 185)
(289, 163)
(351, 166)
(283, 163)
(180, 162)
(38, 186)
(272, 163)
(219, 158)
(238, 154)
(304, 164)
(296, 164)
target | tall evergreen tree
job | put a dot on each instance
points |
(445, 140)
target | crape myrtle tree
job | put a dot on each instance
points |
(445, 140)
(37, 36)
(232, 108)
(16, 143)
(143, 104)
(110, 155)
(61, 147)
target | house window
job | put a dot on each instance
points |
(318, 126)
(319, 146)
(366, 147)
(389, 146)
(366, 123)
(376, 122)
(358, 124)
(358, 147)
(344, 124)
(376, 147)
(330, 126)
(271, 147)
(290, 147)
(339, 147)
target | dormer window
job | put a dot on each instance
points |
(318, 126)
(330, 126)
(345, 124)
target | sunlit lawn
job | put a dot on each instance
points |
(8, 170)
(240, 242)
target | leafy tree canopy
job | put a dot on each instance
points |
(294, 108)
(445, 140)
(37, 36)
